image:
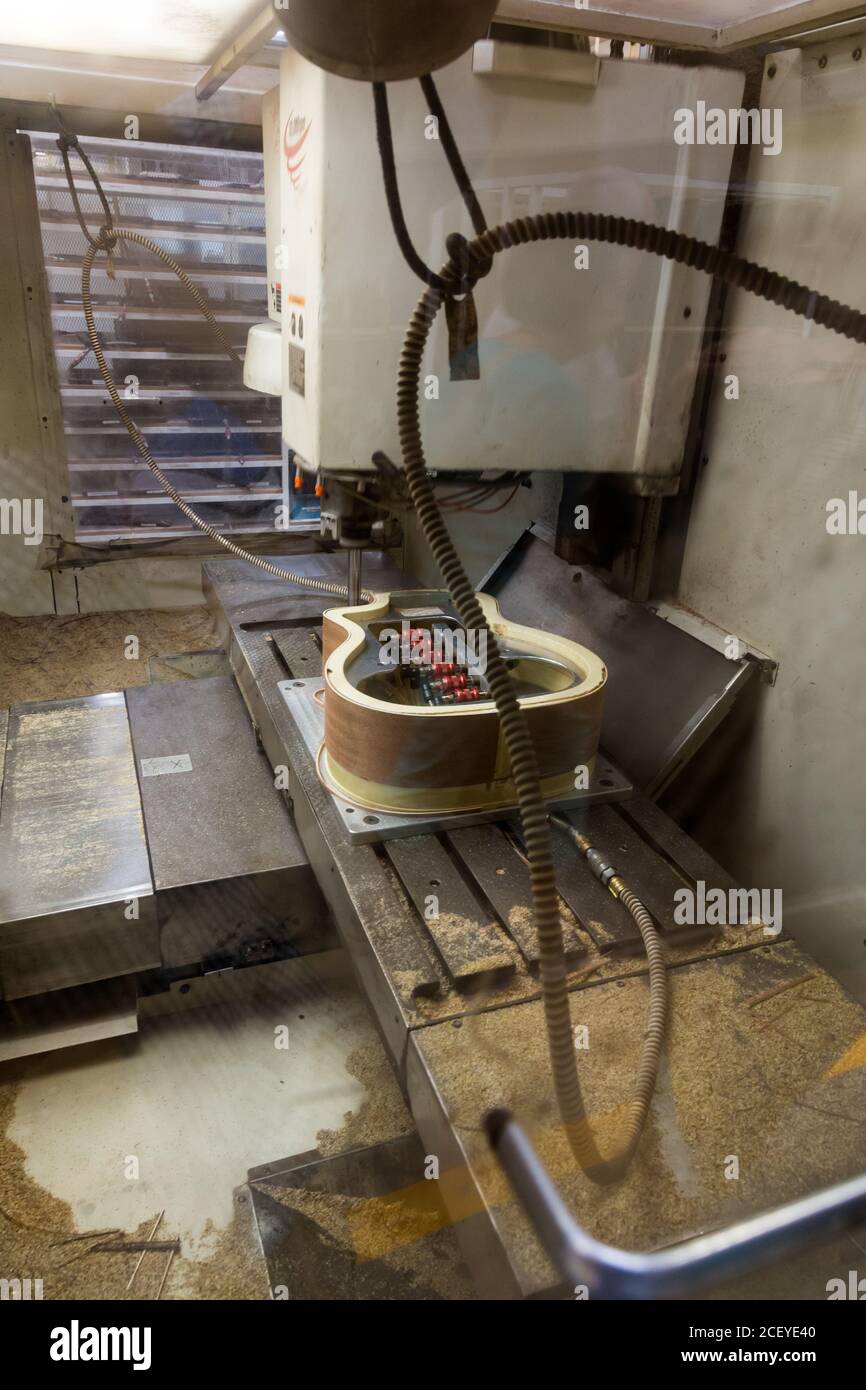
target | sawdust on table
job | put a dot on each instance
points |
(65, 657)
(53, 737)
(522, 919)
(409, 1232)
(450, 931)
(758, 1084)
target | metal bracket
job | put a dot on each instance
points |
(716, 637)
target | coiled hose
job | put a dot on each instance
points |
(657, 1012)
(732, 270)
(656, 1023)
(105, 242)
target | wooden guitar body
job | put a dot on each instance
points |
(410, 725)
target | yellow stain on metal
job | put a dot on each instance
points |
(855, 1056)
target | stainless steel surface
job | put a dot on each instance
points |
(479, 1232)
(33, 446)
(73, 858)
(608, 1272)
(736, 24)
(231, 876)
(68, 1018)
(311, 1251)
(224, 817)
(244, 47)
(788, 800)
(246, 597)
(366, 826)
(355, 557)
(716, 637)
(666, 690)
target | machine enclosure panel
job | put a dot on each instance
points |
(575, 372)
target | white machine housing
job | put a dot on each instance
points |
(588, 355)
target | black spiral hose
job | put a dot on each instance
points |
(686, 250)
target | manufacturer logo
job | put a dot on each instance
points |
(294, 139)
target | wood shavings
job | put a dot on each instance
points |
(777, 989)
(61, 658)
(383, 1114)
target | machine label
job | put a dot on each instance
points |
(297, 369)
(159, 767)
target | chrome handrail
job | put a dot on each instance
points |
(608, 1272)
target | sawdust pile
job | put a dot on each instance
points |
(405, 1232)
(383, 1114)
(36, 1242)
(62, 658)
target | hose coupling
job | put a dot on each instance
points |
(604, 872)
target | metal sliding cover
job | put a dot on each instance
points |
(76, 902)
(710, 24)
(666, 691)
(587, 352)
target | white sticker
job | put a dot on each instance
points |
(158, 767)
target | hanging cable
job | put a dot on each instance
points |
(456, 279)
(106, 240)
(453, 155)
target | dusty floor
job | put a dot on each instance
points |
(58, 658)
(107, 1137)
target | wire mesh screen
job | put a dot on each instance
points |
(218, 442)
